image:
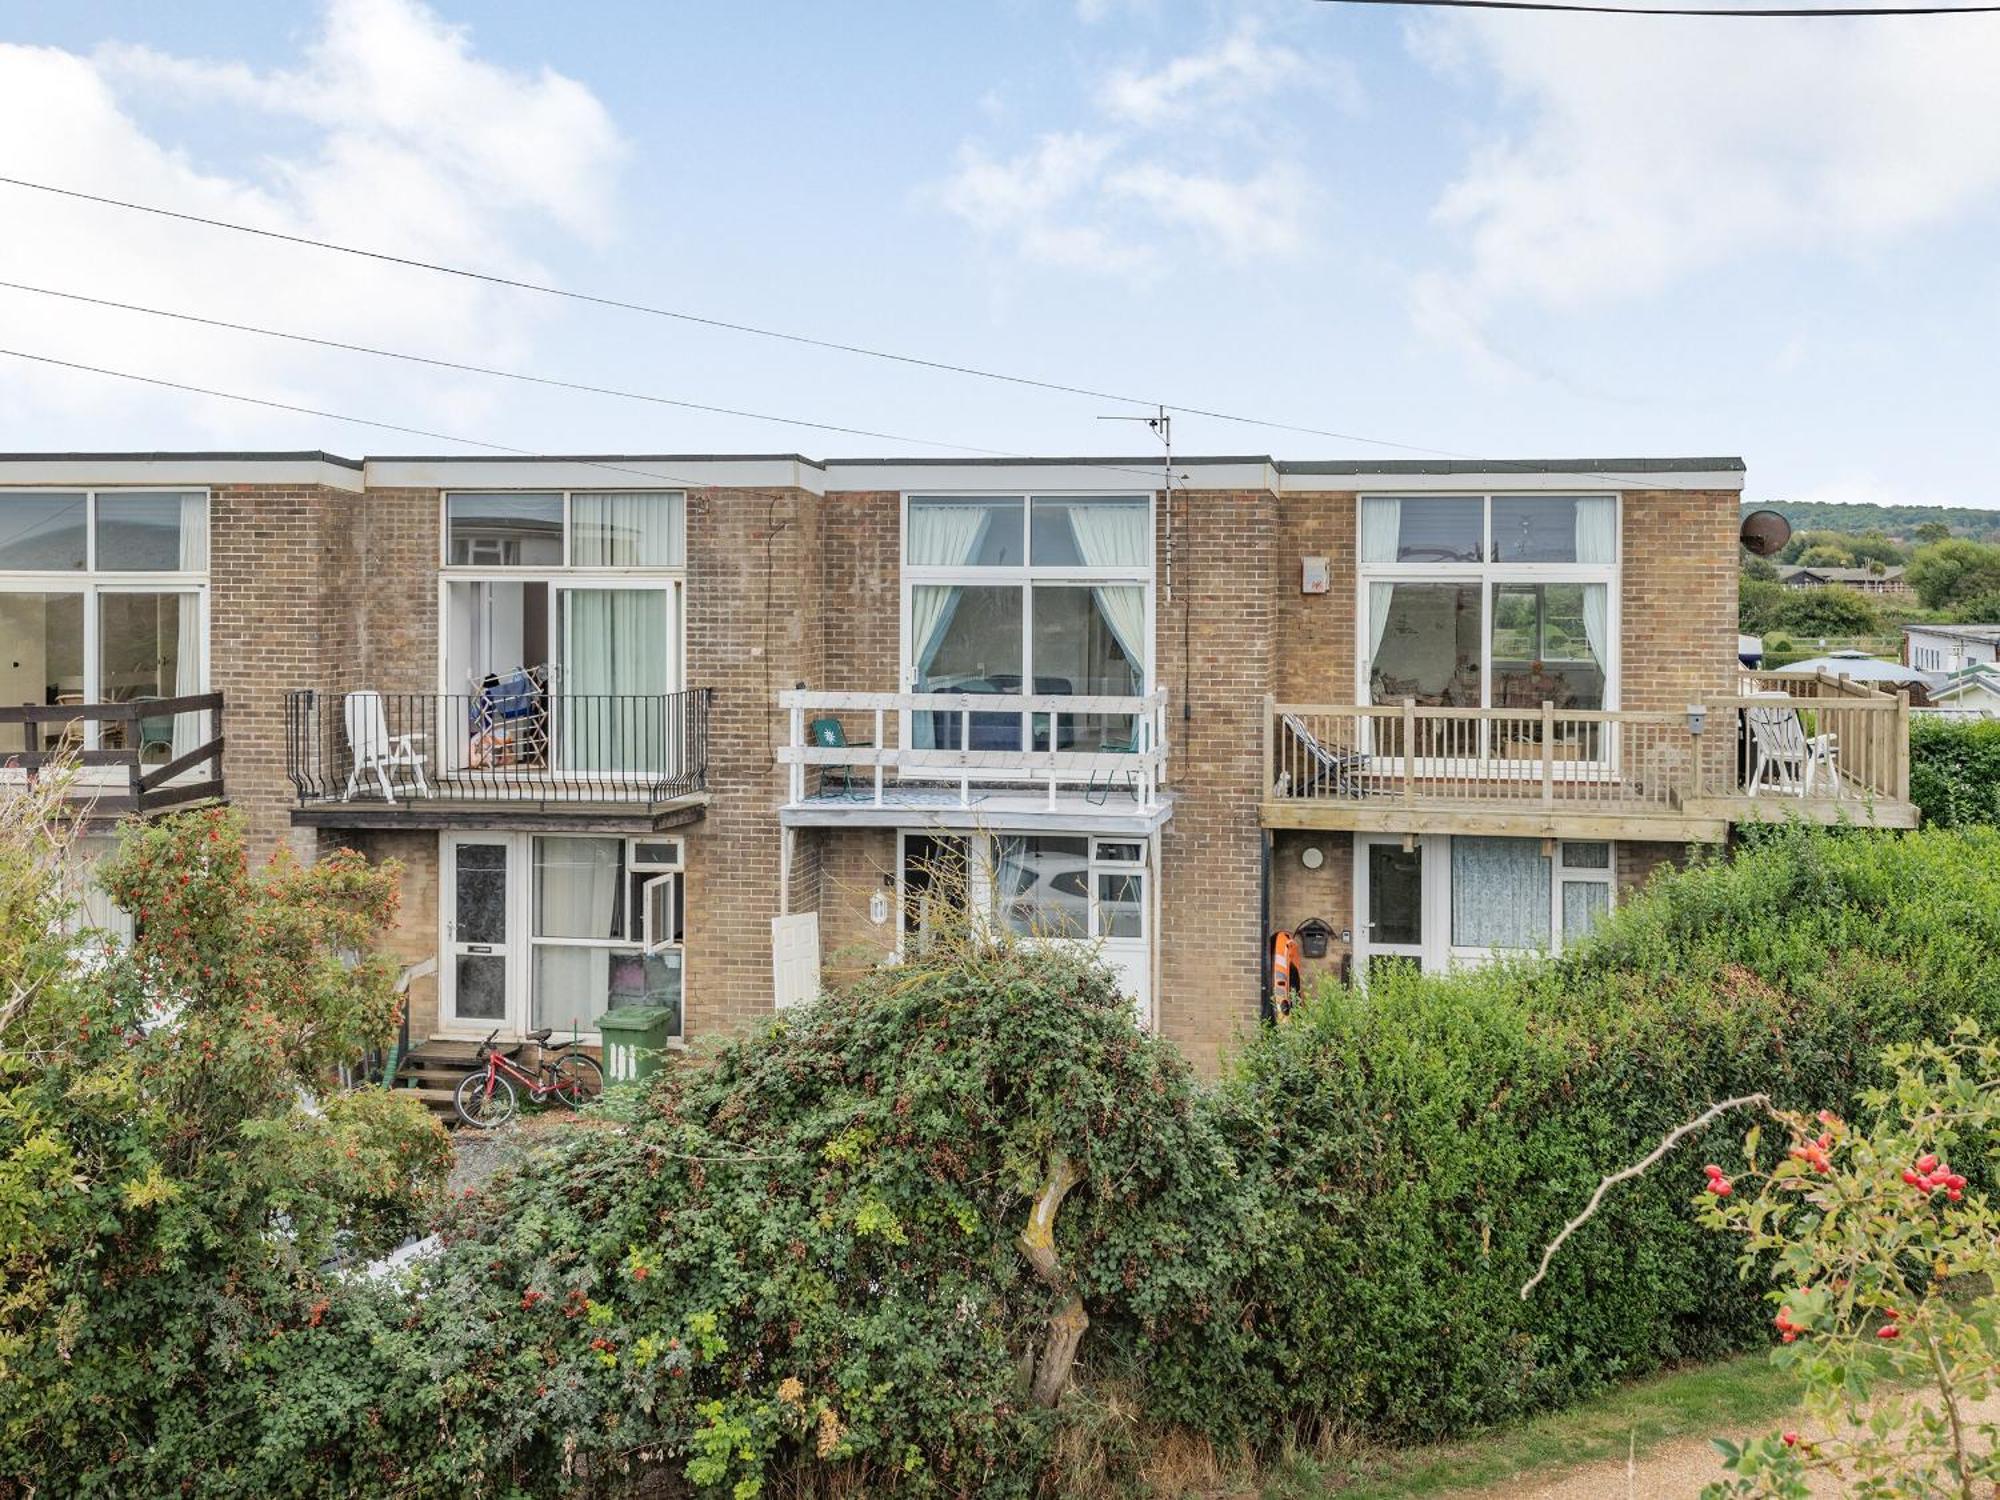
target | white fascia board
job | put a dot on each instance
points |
(608, 473)
(1579, 483)
(1113, 476)
(172, 473)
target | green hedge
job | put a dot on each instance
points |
(1420, 1145)
(795, 1269)
(1955, 769)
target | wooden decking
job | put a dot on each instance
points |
(1649, 774)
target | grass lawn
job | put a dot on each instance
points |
(1734, 1396)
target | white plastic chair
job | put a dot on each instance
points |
(373, 748)
(1788, 760)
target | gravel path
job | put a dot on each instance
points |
(1671, 1471)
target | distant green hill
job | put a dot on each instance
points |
(1893, 520)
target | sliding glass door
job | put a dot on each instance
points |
(579, 672)
(103, 644)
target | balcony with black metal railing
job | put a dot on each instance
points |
(374, 759)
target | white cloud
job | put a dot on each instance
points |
(1638, 159)
(395, 135)
(1244, 219)
(1178, 149)
(1244, 66)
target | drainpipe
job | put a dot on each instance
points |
(1264, 1010)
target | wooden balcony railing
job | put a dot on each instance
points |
(975, 740)
(1631, 762)
(143, 756)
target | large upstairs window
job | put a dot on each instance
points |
(103, 599)
(562, 620)
(1027, 594)
(1489, 601)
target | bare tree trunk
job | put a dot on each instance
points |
(1038, 1243)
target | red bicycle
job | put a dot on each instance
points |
(488, 1097)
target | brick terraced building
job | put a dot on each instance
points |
(695, 730)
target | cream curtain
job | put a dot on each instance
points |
(576, 896)
(939, 535)
(1114, 534)
(1380, 597)
(1109, 533)
(627, 529)
(1381, 530)
(616, 666)
(190, 730)
(1597, 623)
(1597, 531)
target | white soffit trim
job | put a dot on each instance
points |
(172, 473)
(609, 472)
(1108, 476)
(1580, 483)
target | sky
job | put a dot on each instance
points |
(1495, 235)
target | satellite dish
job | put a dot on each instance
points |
(1764, 533)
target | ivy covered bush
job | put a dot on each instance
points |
(1417, 1147)
(1955, 769)
(864, 1245)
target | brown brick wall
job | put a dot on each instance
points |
(273, 625)
(1210, 851)
(858, 862)
(1326, 893)
(393, 604)
(1315, 661)
(415, 935)
(1678, 634)
(756, 625)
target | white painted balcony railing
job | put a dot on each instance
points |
(1116, 745)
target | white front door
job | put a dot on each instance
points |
(479, 982)
(1393, 900)
(795, 958)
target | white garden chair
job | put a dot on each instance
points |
(373, 749)
(1787, 760)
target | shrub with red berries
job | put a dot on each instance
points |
(1887, 1260)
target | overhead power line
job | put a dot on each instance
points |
(336, 416)
(1831, 12)
(523, 376)
(622, 305)
(1599, 477)
(499, 374)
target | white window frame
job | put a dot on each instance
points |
(91, 583)
(671, 578)
(984, 914)
(1437, 953)
(1490, 576)
(523, 940)
(672, 581)
(1025, 576)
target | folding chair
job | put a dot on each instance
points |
(1337, 771)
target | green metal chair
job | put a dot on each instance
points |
(827, 734)
(1097, 793)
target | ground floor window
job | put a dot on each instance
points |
(1436, 900)
(1051, 887)
(553, 930)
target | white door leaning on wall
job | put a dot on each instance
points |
(795, 958)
